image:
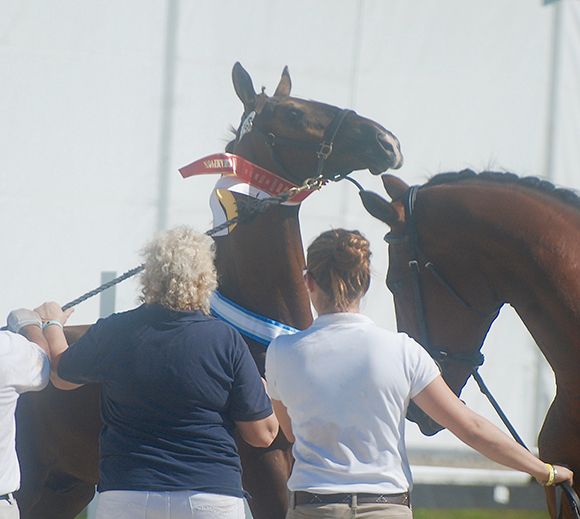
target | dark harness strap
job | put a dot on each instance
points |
(415, 256)
(322, 149)
(572, 498)
(413, 244)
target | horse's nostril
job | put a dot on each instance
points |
(385, 142)
(391, 145)
(389, 142)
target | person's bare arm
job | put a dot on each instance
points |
(34, 334)
(57, 344)
(284, 419)
(259, 433)
(443, 406)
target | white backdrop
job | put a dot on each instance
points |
(83, 114)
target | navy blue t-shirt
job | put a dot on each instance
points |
(172, 385)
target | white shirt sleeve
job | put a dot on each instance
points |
(271, 371)
(26, 366)
(425, 369)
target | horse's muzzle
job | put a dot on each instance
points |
(392, 149)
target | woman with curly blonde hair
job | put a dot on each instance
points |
(175, 383)
(179, 270)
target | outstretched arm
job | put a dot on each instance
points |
(443, 406)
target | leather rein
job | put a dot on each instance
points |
(474, 361)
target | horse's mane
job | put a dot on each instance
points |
(565, 195)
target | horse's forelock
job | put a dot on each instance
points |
(261, 101)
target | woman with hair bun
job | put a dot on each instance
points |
(175, 384)
(341, 390)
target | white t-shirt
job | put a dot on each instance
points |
(346, 384)
(24, 366)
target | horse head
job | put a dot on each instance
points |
(437, 297)
(294, 139)
(299, 139)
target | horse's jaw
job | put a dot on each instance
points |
(427, 426)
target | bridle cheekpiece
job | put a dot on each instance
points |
(416, 259)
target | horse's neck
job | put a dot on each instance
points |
(260, 267)
(260, 263)
(528, 250)
(548, 296)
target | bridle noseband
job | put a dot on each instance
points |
(416, 256)
(322, 149)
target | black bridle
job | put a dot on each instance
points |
(322, 149)
(474, 361)
(418, 260)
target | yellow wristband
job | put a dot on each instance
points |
(552, 476)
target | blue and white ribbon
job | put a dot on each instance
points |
(252, 325)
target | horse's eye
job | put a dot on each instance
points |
(395, 285)
(293, 116)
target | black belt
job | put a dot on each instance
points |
(308, 498)
(5, 497)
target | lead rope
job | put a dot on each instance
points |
(484, 389)
(250, 212)
(565, 487)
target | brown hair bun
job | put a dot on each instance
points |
(339, 262)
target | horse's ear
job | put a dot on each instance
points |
(378, 207)
(244, 87)
(394, 186)
(285, 84)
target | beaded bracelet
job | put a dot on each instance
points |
(552, 476)
(44, 325)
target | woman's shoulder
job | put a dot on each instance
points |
(290, 340)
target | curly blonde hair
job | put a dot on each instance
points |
(179, 270)
(339, 261)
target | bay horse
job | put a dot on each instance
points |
(259, 268)
(461, 246)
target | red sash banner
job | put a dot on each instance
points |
(246, 171)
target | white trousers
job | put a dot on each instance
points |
(9, 508)
(129, 504)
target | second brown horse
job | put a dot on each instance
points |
(480, 241)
